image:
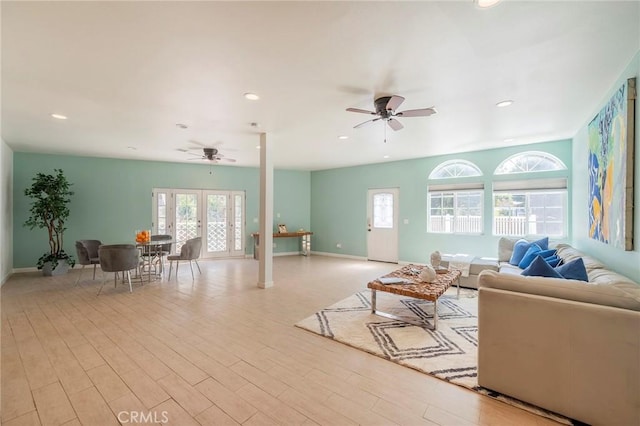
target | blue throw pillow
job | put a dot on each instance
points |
(574, 270)
(540, 268)
(519, 250)
(533, 251)
(547, 253)
(552, 260)
(543, 243)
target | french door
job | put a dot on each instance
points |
(216, 216)
(382, 224)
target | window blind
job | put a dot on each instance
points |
(456, 187)
(530, 185)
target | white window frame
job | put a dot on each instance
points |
(455, 222)
(449, 170)
(527, 188)
(500, 170)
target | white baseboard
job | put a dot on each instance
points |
(23, 270)
(344, 256)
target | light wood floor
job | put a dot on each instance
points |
(214, 351)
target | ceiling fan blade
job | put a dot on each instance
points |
(394, 124)
(231, 160)
(422, 112)
(363, 111)
(366, 122)
(394, 102)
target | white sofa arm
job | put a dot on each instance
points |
(578, 359)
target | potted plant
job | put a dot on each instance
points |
(50, 195)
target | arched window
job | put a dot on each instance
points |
(455, 207)
(530, 207)
(454, 169)
(530, 161)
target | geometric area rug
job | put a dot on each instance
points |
(449, 353)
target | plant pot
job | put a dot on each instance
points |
(61, 269)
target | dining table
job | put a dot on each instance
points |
(152, 254)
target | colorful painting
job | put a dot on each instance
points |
(611, 142)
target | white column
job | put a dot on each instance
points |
(265, 268)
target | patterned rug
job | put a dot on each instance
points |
(450, 353)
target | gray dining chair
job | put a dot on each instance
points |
(190, 251)
(162, 250)
(119, 258)
(87, 252)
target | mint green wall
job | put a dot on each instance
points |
(625, 262)
(113, 198)
(339, 203)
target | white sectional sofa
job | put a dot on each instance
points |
(567, 346)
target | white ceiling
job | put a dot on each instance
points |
(126, 72)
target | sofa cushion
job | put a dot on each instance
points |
(621, 294)
(573, 270)
(479, 264)
(540, 268)
(505, 248)
(568, 253)
(507, 268)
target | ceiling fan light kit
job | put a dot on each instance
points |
(385, 109)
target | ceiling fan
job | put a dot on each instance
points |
(212, 155)
(386, 110)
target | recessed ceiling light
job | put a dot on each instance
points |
(257, 146)
(508, 140)
(343, 137)
(59, 116)
(181, 126)
(484, 4)
(251, 96)
(503, 104)
(386, 156)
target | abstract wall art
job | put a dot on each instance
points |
(611, 152)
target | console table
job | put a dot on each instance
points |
(305, 241)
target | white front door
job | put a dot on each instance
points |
(382, 224)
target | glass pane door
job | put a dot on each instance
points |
(224, 223)
(162, 223)
(238, 223)
(187, 216)
(217, 224)
(217, 216)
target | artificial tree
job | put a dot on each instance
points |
(50, 195)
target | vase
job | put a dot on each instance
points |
(61, 269)
(427, 275)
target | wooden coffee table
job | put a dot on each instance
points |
(416, 289)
